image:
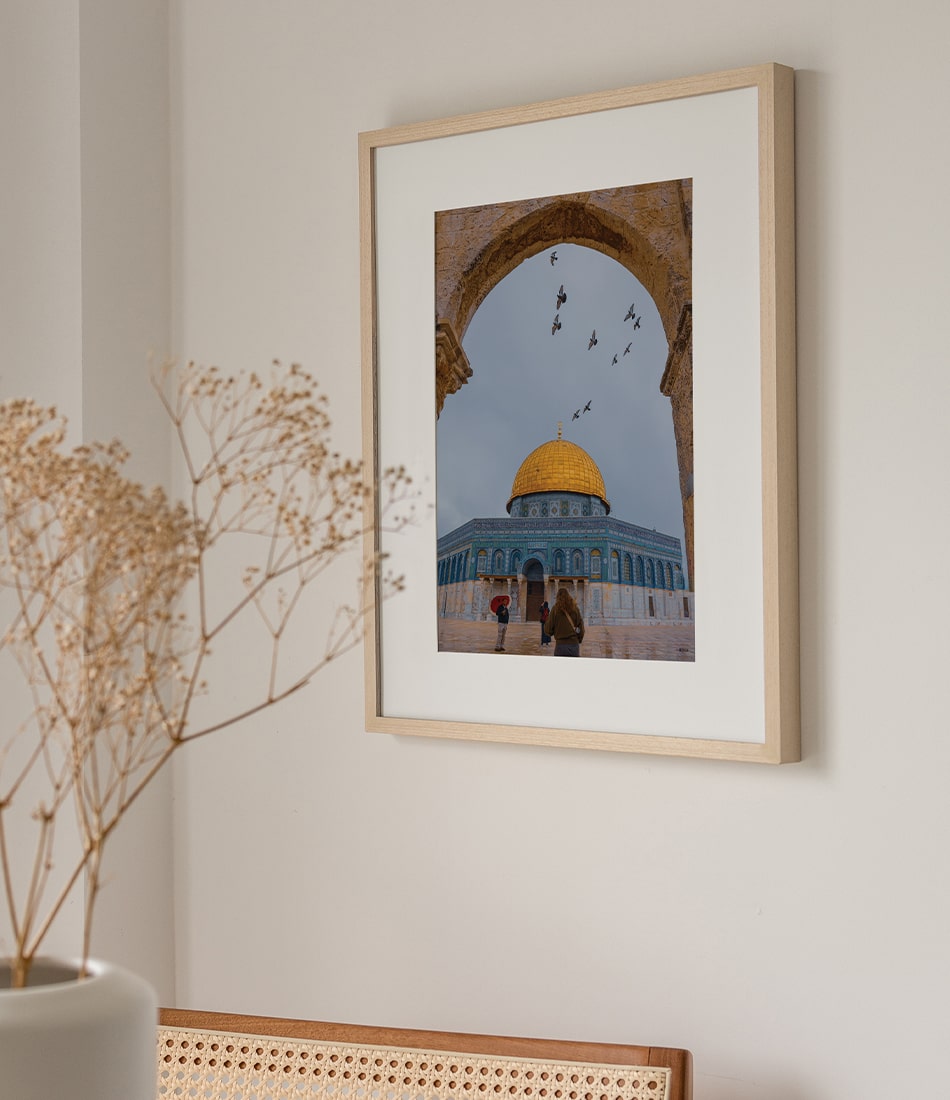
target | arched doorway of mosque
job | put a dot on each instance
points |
(646, 228)
(534, 589)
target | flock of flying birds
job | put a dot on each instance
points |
(592, 342)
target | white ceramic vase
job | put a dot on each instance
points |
(63, 1038)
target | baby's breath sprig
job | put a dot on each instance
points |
(97, 576)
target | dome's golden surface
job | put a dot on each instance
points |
(558, 466)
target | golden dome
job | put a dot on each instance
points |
(559, 466)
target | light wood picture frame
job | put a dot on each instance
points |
(723, 143)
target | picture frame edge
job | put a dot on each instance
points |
(781, 624)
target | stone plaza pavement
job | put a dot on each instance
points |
(640, 641)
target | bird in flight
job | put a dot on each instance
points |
(561, 297)
(577, 415)
(613, 361)
(593, 340)
(626, 350)
(636, 323)
(587, 407)
(556, 324)
(553, 258)
(630, 311)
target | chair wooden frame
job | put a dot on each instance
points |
(224, 1027)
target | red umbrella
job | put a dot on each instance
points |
(497, 601)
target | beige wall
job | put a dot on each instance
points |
(40, 268)
(85, 298)
(780, 921)
(786, 924)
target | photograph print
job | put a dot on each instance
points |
(564, 397)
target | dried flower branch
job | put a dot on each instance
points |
(96, 573)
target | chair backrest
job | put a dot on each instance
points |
(220, 1056)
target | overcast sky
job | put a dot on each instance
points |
(525, 380)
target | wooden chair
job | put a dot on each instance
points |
(220, 1056)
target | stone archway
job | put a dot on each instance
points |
(647, 229)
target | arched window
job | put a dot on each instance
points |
(497, 561)
(650, 574)
(595, 563)
(578, 561)
(559, 561)
(481, 563)
(627, 569)
(614, 565)
(515, 561)
(668, 570)
(638, 575)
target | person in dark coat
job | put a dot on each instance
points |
(566, 625)
(543, 616)
(502, 615)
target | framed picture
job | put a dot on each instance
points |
(579, 336)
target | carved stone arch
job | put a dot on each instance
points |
(647, 229)
(571, 219)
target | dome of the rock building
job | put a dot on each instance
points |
(559, 466)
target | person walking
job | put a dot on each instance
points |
(543, 616)
(502, 616)
(566, 625)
